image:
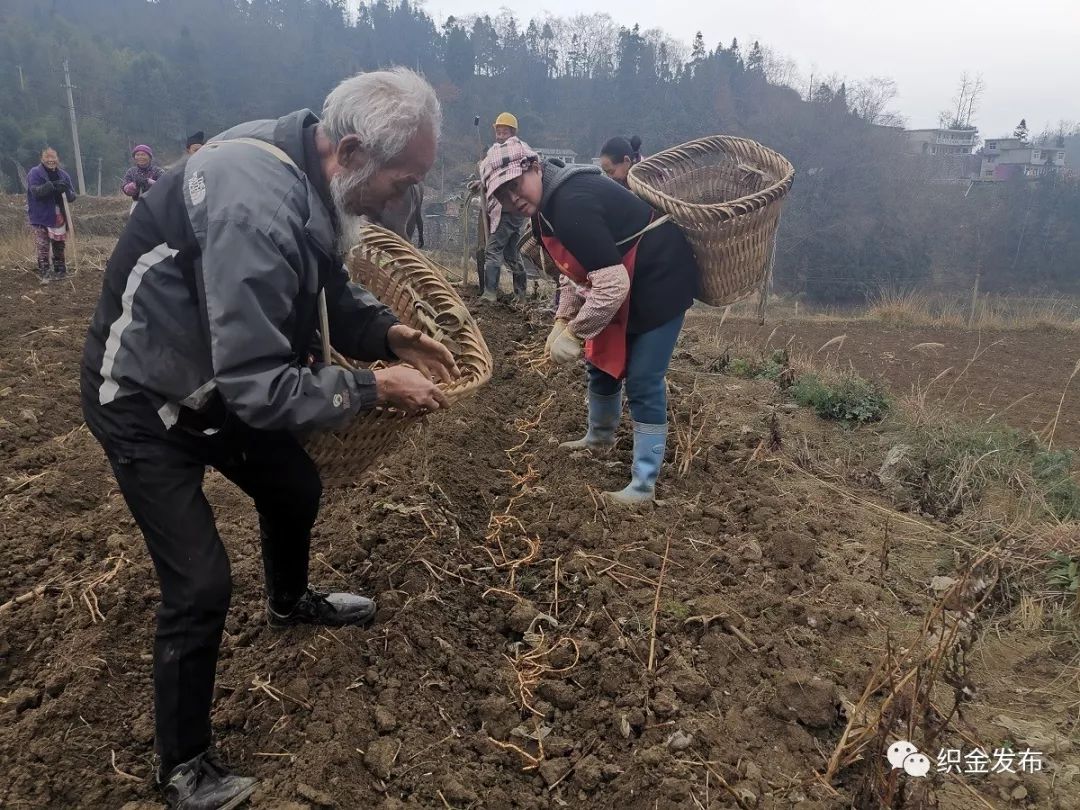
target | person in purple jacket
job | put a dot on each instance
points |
(46, 186)
(139, 178)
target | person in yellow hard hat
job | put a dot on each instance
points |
(506, 126)
(504, 229)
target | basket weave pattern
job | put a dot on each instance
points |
(419, 294)
(724, 193)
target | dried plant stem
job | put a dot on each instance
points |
(656, 606)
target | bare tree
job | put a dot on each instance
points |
(960, 100)
(974, 95)
(965, 103)
(678, 52)
(780, 70)
(1056, 135)
(871, 98)
(592, 37)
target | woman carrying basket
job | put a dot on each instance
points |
(630, 284)
(618, 157)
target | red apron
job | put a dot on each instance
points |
(606, 351)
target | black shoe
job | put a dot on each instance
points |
(205, 783)
(318, 607)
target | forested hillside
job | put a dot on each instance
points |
(863, 214)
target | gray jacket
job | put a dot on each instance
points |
(209, 304)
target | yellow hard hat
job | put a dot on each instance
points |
(506, 120)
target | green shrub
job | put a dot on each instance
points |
(1065, 574)
(850, 399)
(767, 368)
(741, 367)
(1053, 471)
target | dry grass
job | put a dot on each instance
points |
(915, 308)
(926, 309)
(17, 248)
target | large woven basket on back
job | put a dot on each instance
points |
(419, 294)
(724, 193)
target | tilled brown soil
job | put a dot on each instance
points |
(1014, 376)
(524, 656)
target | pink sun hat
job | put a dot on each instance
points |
(505, 162)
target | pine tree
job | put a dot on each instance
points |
(1021, 131)
(697, 52)
(755, 62)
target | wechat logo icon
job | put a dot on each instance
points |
(902, 754)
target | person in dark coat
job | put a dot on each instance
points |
(202, 353)
(630, 277)
(619, 156)
(46, 187)
(140, 178)
(195, 142)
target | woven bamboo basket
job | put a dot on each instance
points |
(417, 291)
(724, 193)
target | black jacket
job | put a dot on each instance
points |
(209, 304)
(590, 213)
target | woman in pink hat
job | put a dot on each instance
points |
(629, 282)
(141, 177)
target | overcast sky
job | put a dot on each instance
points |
(1028, 51)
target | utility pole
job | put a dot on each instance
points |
(22, 84)
(99, 177)
(74, 130)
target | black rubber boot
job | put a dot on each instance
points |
(333, 609)
(205, 783)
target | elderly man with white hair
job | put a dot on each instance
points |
(203, 352)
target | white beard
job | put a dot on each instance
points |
(349, 186)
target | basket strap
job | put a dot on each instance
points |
(280, 154)
(656, 223)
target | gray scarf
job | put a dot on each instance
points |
(555, 173)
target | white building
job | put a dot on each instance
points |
(567, 156)
(1004, 158)
(942, 142)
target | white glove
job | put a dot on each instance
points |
(565, 348)
(556, 330)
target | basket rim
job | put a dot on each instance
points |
(410, 263)
(721, 211)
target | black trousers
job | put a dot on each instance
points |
(163, 489)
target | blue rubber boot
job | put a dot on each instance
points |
(650, 443)
(604, 414)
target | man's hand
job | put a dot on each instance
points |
(431, 359)
(408, 389)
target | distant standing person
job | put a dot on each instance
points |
(47, 185)
(619, 156)
(504, 227)
(194, 142)
(141, 177)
